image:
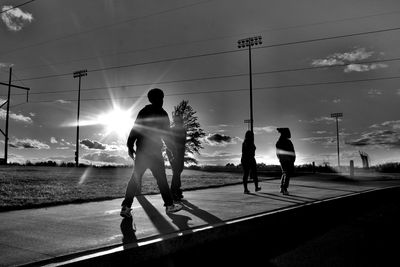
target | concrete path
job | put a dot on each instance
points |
(33, 235)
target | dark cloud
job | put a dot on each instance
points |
(219, 138)
(387, 138)
(93, 144)
(28, 143)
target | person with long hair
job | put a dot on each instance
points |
(248, 161)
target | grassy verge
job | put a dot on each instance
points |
(31, 186)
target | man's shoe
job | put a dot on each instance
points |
(126, 212)
(246, 191)
(258, 188)
(285, 192)
(173, 208)
(178, 201)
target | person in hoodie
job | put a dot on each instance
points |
(286, 155)
(151, 128)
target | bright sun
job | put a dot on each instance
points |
(116, 121)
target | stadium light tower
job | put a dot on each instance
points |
(78, 74)
(249, 42)
(337, 115)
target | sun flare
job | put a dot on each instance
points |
(117, 121)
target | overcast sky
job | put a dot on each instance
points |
(317, 58)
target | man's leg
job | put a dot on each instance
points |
(134, 187)
(175, 185)
(176, 180)
(158, 169)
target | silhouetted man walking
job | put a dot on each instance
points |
(152, 125)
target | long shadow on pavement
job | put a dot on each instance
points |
(276, 197)
(158, 220)
(202, 214)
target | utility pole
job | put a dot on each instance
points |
(8, 113)
(337, 115)
(249, 42)
(79, 74)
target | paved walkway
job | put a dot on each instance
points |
(34, 235)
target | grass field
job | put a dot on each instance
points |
(32, 186)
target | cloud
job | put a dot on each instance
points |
(347, 58)
(395, 125)
(336, 100)
(374, 92)
(53, 140)
(15, 117)
(385, 138)
(217, 139)
(326, 140)
(5, 65)
(93, 144)
(106, 158)
(398, 92)
(28, 143)
(15, 19)
(266, 129)
(323, 119)
(326, 62)
(61, 101)
(364, 67)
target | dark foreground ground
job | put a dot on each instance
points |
(367, 236)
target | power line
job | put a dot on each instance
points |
(25, 3)
(219, 77)
(219, 53)
(220, 38)
(235, 90)
(106, 26)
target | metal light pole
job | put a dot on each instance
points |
(79, 74)
(337, 115)
(249, 42)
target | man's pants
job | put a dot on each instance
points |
(177, 168)
(154, 162)
(287, 172)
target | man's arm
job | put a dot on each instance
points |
(131, 142)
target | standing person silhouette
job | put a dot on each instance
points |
(287, 156)
(248, 161)
(177, 157)
(151, 127)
